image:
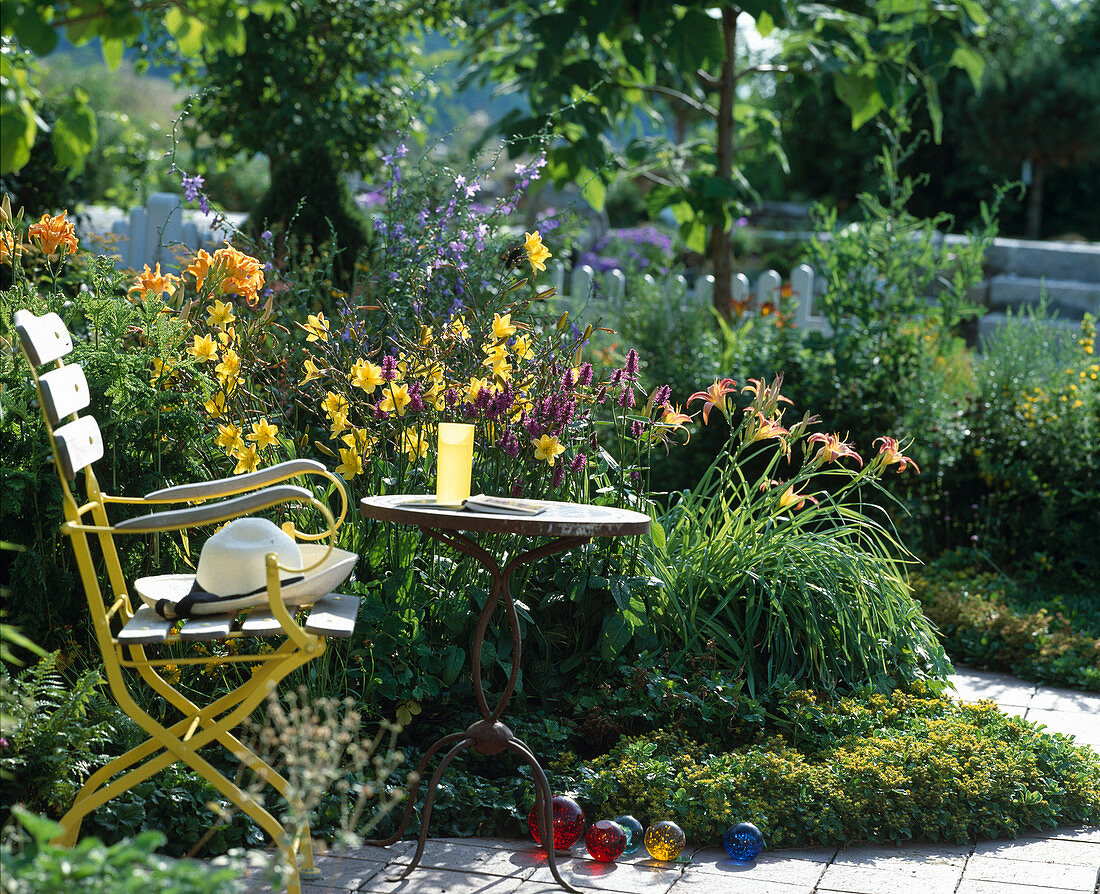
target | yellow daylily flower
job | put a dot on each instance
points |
(221, 314)
(537, 253)
(229, 367)
(264, 434)
(215, 407)
(522, 347)
(362, 440)
(334, 404)
(547, 448)
(503, 326)
(229, 437)
(396, 399)
(203, 348)
(248, 459)
(310, 369)
(413, 443)
(366, 376)
(457, 328)
(317, 327)
(351, 464)
(338, 422)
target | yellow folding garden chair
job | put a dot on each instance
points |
(123, 630)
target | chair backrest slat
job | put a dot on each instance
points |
(64, 391)
(79, 444)
(44, 338)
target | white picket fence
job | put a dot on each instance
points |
(605, 294)
(156, 232)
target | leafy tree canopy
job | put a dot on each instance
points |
(33, 29)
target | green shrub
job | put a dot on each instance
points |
(991, 621)
(872, 768)
(34, 866)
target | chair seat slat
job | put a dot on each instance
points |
(144, 628)
(44, 338)
(260, 622)
(64, 391)
(333, 615)
(79, 444)
(208, 627)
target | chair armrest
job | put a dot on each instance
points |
(177, 519)
(224, 487)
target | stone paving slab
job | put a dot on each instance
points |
(1043, 850)
(642, 877)
(1084, 727)
(1053, 875)
(430, 880)
(931, 878)
(471, 856)
(774, 866)
(1051, 699)
(972, 886)
(977, 685)
(904, 857)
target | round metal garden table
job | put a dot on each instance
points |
(567, 525)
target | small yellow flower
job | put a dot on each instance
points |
(522, 347)
(366, 376)
(351, 464)
(413, 443)
(153, 281)
(248, 459)
(310, 369)
(334, 405)
(396, 399)
(537, 253)
(264, 434)
(229, 366)
(229, 437)
(503, 326)
(215, 407)
(317, 327)
(338, 423)
(362, 440)
(163, 372)
(203, 348)
(547, 448)
(475, 388)
(221, 314)
(457, 328)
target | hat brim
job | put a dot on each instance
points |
(164, 591)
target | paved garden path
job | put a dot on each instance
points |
(1057, 862)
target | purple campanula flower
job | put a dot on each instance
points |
(204, 204)
(267, 235)
(192, 186)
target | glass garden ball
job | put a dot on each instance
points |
(634, 832)
(744, 842)
(568, 823)
(664, 840)
(605, 841)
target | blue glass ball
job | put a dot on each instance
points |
(744, 842)
(634, 832)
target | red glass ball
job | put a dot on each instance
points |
(568, 823)
(605, 840)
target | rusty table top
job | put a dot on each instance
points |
(558, 520)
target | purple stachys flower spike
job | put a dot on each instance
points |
(601, 395)
(378, 412)
(663, 396)
(578, 463)
(617, 377)
(631, 366)
(517, 487)
(451, 397)
(389, 367)
(559, 475)
(416, 398)
(469, 409)
(626, 399)
(584, 378)
(635, 429)
(568, 380)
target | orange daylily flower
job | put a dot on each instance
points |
(10, 248)
(832, 448)
(767, 428)
(766, 397)
(153, 281)
(714, 396)
(890, 454)
(241, 274)
(795, 501)
(52, 233)
(200, 267)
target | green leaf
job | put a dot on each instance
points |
(41, 828)
(17, 133)
(765, 24)
(695, 235)
(112, 52)
(454, 657)
(970, 60)
(592, 188)
(614, 636)
(187, 30)
(620, 592)
(695, 41)
(858, 93)
(31, 30)
(74, 134)
(657, 534)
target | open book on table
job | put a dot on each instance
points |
(479, 503)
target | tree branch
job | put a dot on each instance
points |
(689, 101)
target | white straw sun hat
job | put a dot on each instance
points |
(232, 572)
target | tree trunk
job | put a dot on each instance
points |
(1035, 200)
(721, 249)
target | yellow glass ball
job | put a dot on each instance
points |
(664, 840)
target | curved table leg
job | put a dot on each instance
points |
(433, 787)
(410, 801)
(546, 815)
